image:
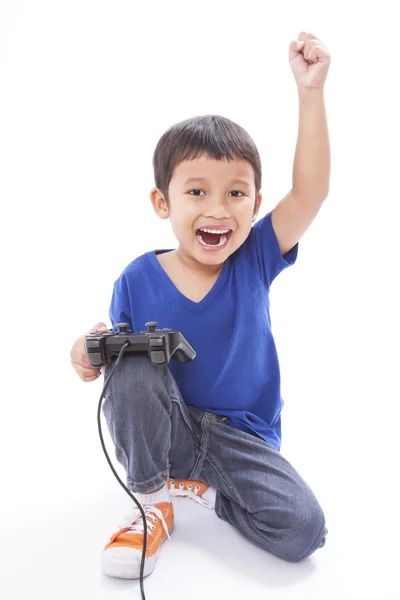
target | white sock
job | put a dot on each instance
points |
(153, 498)
(209, 495)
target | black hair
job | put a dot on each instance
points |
(211, 135)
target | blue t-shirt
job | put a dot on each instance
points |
(236, 370)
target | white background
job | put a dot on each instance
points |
(86, 90)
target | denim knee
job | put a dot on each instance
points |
(293, 530)
(307, 533)
(134, 375)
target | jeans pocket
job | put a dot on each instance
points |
(222, 419)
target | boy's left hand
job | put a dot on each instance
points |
(309, 60)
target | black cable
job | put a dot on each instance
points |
(126, 344)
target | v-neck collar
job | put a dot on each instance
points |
(184, 300)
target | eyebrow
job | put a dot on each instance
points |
(241, 181)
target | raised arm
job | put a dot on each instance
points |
(293, 215)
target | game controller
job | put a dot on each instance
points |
(160, 344)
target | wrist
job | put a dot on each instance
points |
(310, 93)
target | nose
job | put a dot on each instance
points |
(217, 208)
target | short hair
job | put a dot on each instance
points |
(211, 135)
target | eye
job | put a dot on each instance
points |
(233, 191)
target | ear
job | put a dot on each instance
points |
(159, 203)
(257, 208)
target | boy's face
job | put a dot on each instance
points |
(215, 202)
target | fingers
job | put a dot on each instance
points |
(79, 357)
(100, 327)
(89, 374)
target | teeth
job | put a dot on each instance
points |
(215, 230)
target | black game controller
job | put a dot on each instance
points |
(160, 344)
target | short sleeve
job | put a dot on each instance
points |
(264, 251)
(120, 307)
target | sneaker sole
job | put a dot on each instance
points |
(124, 562)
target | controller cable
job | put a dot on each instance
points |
(125, 345)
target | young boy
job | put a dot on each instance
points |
(211, 429)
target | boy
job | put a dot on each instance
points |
(211, 429)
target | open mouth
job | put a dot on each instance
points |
(216, 239)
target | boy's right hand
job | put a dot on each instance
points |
(79, 358)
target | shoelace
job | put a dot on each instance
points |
(174, 491)
(134, 522)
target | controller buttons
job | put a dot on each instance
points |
(93, 344)
(156, 342)
(151, 325)
(158, 357)
(123, 328)
(95, 359)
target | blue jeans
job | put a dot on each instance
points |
(157, 436)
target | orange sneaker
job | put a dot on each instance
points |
(197, 490)
(123, 554)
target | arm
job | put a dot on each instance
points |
(293, 215)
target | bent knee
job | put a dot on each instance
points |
(305, 536)
(132, 370)
(294, 531)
